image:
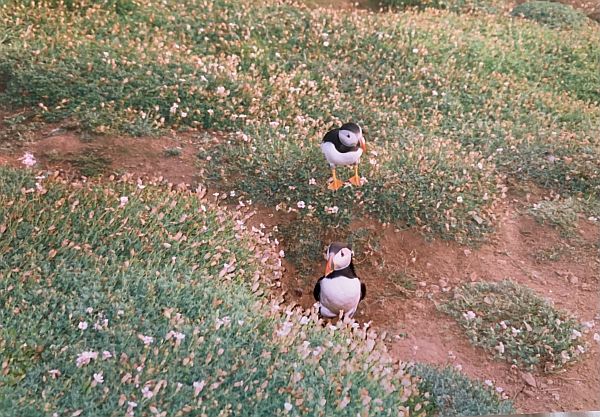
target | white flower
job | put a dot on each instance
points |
(85, 357)
(500, 348)
(312, 181)
(281, 254)
(173, 108)
(274, 124)
(459, 199)
(55, 373)
(147, 392)
(175, 335)
(123, 201)
(596, 337)
(503, 325)
(415, 50)
(28, 159)
(89, 310)
(221, 91)
(285, 329)
(148, 340)
(106, 355)
(488, 382)
(304, 320)
(198, 387)
(575, 334)
(183, 115)
(99, 378)
(469, 315)
(132, 404)
(332, 210)
(287, 406)
(301, 204)
(82, 325)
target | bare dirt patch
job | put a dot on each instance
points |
(406, 274)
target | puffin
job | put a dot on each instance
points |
(344, 146)
(339, 289)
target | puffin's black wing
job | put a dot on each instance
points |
(363, 290)
(317, 290)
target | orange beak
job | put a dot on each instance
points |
(329, 266)
(363, 144)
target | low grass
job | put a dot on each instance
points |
(456, 395)
(516, 325)
(161, 290)
(552, 14)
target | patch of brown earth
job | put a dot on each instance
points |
(173, 157)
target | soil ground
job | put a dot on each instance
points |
(406, 274)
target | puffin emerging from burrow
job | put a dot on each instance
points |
(340, 289)
(344, 146)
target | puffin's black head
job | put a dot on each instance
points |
(351, 135)
(352, 127)
(338, 256)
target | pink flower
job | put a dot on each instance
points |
(85, 357)
(28, 159)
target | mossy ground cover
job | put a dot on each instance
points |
(517, 325)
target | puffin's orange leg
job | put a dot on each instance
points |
(335, 184)
(355, 180)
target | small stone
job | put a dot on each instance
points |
(573, 279)
(528, 378)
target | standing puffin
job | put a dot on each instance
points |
(340, 289)
(344, 146)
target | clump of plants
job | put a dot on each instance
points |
(559, 213)
(516, 325)
(454, 394)
(552, 14)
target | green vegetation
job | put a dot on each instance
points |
(560, 213)
(171, 152)
(515, 324)
(456, 395)
(460, 6)
(552, 14)
(163, 298)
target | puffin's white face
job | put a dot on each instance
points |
(338, 260)
(349, 138)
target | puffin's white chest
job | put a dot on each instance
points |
(338, 158)
(340, 293)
